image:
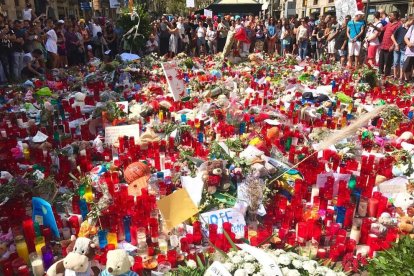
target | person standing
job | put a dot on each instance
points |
(201, 38)
(18, 52)
(321, 37)
(51, 46)
(341, 41)
(164, 36)
(409, 53)
(28, 13)
(399, 48)
(211, 39)
(6, 53)
(355, 30)
(222, 29)
(173, 43)
(303, 39)
(372, 42)
(271, 36)
(387, 46)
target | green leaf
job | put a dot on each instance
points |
(199, 262)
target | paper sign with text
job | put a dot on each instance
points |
(217, 269)
(269, 265)
(208, 13)
(175, 84)
(394, 186)
(114, 132)
(322, 178)
(190, 3)
(225, 215)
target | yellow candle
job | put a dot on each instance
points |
(39, 243)
(113, 239)
(88, 196)
(21, 248)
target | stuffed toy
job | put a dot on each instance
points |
(118, 263)
(79, 100)
(405, 209)
(215, 176)
(78, 262)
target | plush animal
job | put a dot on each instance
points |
(78, 262)
(215, 176)
(405, 209)
(118, 263)
(79, 100)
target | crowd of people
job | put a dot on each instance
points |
(35, 44)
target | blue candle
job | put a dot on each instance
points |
(83, 208)
(127, 228)
(340, 214)
(102, 238)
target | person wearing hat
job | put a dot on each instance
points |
(355, 31)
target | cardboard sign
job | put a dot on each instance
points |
(208, 13)
(114, 132)
(225, 215)
(217, 269)
(393, 186)
(190, 4)
(175, 84)
(194, 187)
(176, 208)
(269, 265)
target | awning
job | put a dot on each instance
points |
(329, 9)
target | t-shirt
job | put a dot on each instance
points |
(340, 38)
(152, 46)
(409, 51)
(355, 28)
(372, 31)
(271, 30)
(6, 44)
(389, 29)
(399, 35)
(17, 47)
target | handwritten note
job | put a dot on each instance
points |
(114, 132)
(208, 13)
(269, 265)
(175, 84)
(225, 215)
(217, 269)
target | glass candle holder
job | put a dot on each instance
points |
(21, 248)
(37, 264)
(39, 243)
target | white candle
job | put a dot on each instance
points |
(355, 234)
(37, 267)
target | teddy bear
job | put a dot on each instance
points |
(405, 209)
(79, 100)
(215, 175)
(79, 261)
(118, 263)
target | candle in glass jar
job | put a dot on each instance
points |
(21, 248)
(113, 239)
(162, 244)
(355, 233)
(39, 243)
(372, 207)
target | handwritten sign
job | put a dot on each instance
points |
(269, 265)
(190, 3)
(394, 186)
(208, 13)
(175, 84)
(225, 215)
(114, 132)
(217, 269)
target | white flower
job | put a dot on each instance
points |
(277, 252)
(330, 273)
(229, 266)
(284, 259)
(240, 272)
(285, 270)
(191, 264)
(340, 274)
(310, 266)
(231, 254)
(320, 270)
(241, 254)
(249, 258)
(249, 267)
(236, 259)
(297, 264)
(293, 272)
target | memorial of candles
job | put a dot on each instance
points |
(240, 150)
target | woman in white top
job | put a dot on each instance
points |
(173, 43)
(201, 38)
(372, 42)
(51, 46)
(211, 39)
(28, 13)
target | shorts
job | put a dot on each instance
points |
(399, 58)
(408, 64)
(354, 48)
(343, 53)
(331, 47)
(372, 51)
(201, 41)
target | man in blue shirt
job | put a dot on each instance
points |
(355, 30)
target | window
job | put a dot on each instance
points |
(304, 3)
(16, 3)
(331, 1)
(291, 5)
(315, 2)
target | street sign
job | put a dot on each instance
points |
(85, 6)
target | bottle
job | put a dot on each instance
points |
(21, 248)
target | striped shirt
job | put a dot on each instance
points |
(129, 273)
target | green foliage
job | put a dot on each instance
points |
(125, 22)
(397, 260)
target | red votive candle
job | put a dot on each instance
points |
(372, 207)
